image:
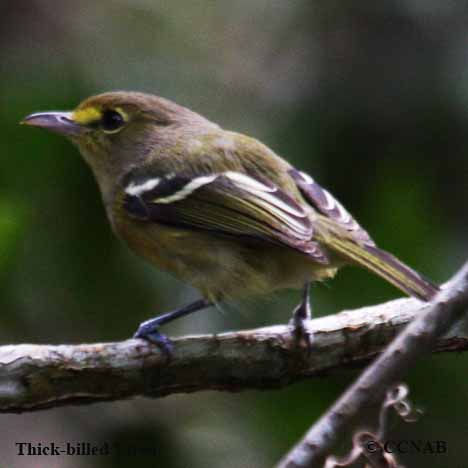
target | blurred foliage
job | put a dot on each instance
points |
(369, 97)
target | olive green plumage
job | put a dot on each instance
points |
(215, 208)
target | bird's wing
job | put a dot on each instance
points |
(326, 204)
(227, 203)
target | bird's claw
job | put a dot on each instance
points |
(300, 314)
(152, 334)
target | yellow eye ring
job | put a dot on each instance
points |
(112, 120)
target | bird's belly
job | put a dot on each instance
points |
(222, 268)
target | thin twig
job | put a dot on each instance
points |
(370, 446)
(417, 339)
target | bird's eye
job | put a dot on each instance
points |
(112, 121)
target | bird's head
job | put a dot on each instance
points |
(116, 130)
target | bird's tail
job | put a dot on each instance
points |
(386, 266)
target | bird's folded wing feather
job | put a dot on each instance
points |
(227, 203)
(326, 204)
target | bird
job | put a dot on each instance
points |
(217, 209)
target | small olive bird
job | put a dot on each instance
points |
(217, 209)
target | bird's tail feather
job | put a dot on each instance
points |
(388, 267)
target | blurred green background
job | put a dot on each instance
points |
(369, 97)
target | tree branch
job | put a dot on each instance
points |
(35, 377)
(417, 339)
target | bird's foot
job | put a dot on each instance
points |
(149, 331)
(300, 314)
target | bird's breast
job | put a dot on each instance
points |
(221, 268)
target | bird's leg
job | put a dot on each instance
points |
(149, 330)
(301, 313)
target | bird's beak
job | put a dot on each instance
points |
(57, 122)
